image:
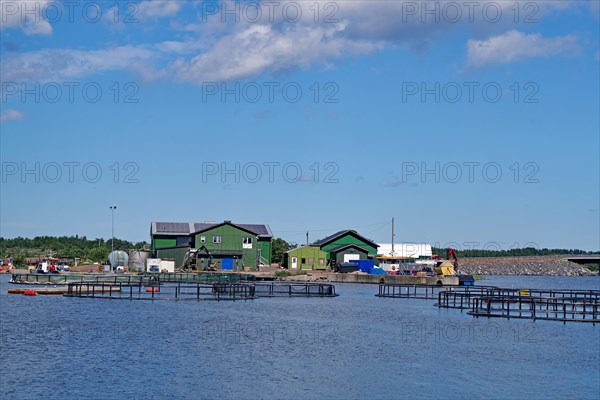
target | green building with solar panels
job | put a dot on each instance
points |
(218, 246)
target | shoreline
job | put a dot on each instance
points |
(480, 266)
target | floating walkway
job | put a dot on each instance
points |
(197, 291)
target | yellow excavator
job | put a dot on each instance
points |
(446, 267)
(450, 268)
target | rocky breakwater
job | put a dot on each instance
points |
(551, 265)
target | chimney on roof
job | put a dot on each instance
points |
(227, 221)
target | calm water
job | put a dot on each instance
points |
(353, 346)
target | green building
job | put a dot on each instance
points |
(222, 245)
(347, 252)
(347, 245)
(306, 258)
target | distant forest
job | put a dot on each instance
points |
(95, 250)
(521, 252)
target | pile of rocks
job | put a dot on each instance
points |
(551, 265)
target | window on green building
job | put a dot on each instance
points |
(321, 261)
(303, 261)
(202, 239)
(311, 261)
(216, 239)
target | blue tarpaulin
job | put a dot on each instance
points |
(376, 271)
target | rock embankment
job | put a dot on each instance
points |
(558, 266)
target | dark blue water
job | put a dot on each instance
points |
(355, 346)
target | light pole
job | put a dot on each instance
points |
(112, 238)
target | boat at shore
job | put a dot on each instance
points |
(398, 265)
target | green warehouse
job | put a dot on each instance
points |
(347, 245)
(223, 245)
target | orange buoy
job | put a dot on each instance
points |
(30, 292)
(151, 289)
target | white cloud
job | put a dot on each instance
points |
(218, 49)
(11, 115)
(260, 48)
(247, 48)
(514, 46)
(27, 15)
(158, 8)
(63, 64)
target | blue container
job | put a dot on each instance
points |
(364, 265)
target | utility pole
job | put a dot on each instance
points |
(393, 235)
(112, 238)
(307, 238)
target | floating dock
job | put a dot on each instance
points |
(378, 279)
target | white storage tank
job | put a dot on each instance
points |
(137, 260)
(118, 258)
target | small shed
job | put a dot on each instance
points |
(306, 258)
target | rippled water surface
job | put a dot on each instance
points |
(352, 346)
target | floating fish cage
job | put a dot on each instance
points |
(197, 290)
(289, 289)
(463, 298)
(418, 291)
(163, 291)
(543, 304)
(63, 279)
(554, 309)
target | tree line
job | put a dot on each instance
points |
(518, 252)
(93, 250)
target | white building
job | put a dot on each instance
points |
(413, 250)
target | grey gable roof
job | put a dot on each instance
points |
(187, 228)
(340, 234)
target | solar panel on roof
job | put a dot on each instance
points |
(258, 229)
(172, 227)
(184, 227)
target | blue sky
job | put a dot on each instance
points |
(472, 124)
